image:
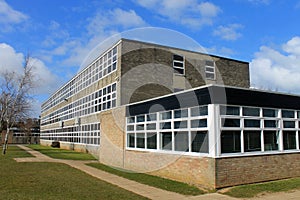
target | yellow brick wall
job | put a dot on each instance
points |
(252, 169)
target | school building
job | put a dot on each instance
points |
(178, 114)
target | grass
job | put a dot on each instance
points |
(51, 181)
(61, 153)
(150, 180)
(252, 190)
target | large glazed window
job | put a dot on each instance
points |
(230, 141)
(289, 140)
(252, 141)
(258, 129)
(271, 139)
(180, 130)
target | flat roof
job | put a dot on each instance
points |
(180, 49)
(215, 94)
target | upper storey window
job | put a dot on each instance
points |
(210, 70)
(178, 64)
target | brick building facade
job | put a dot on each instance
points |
(175, 113)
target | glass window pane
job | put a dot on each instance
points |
(251, 123)
(140, 127)
(199, 111)
(252, 141)
(166, 115)
(165, 125)
(151, 126)
(209, 63)
(130, 119)
(130, 128)
(178, 57)
(269, 113)
(140, 118)
(270, 123)
(209, 75)
(151, 141)
(198, 123)
(229, 110)
(250, 111)
(180, 124)
(151, 117)
(140, 140)
(181, 113)
(271, 140)
(289, 140)
(288, 114)
(288, 124)
(131, 140)
(166, 140)
(181, 141)
(230, 122)
(230, 141)
(199, 141)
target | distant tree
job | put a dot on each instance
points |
(15, 97)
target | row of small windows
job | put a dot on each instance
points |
(196, 123)
(257, 123)
(183, 130)
(258, 112)
(183, 141)
(85, 134)
(231, 141)
(104, 65)
(166, 115)
(103, 99)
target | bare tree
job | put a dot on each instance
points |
(15, 97)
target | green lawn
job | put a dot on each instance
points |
(61, 153)
(154, 181)
(252, 190)
(142, 178)
(51, 181)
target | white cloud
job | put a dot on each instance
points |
(101, 26)
(277, 69)
(229, 32)
(45, 82)
(190, 13)
(12, 61)
(9, 16)
(293, 46)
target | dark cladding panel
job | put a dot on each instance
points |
(181, 100)
(254, 98)
(216, 95)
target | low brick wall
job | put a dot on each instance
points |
(253, 169)
(188, 169)
(94, 150)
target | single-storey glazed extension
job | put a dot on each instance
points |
(178, 114)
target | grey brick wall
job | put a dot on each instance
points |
(147, 71)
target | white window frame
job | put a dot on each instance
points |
(210, 70)
(177, 67)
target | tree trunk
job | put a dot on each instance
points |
(5, 142)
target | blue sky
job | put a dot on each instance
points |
(60, 34)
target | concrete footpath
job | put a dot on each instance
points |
(138, 188)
